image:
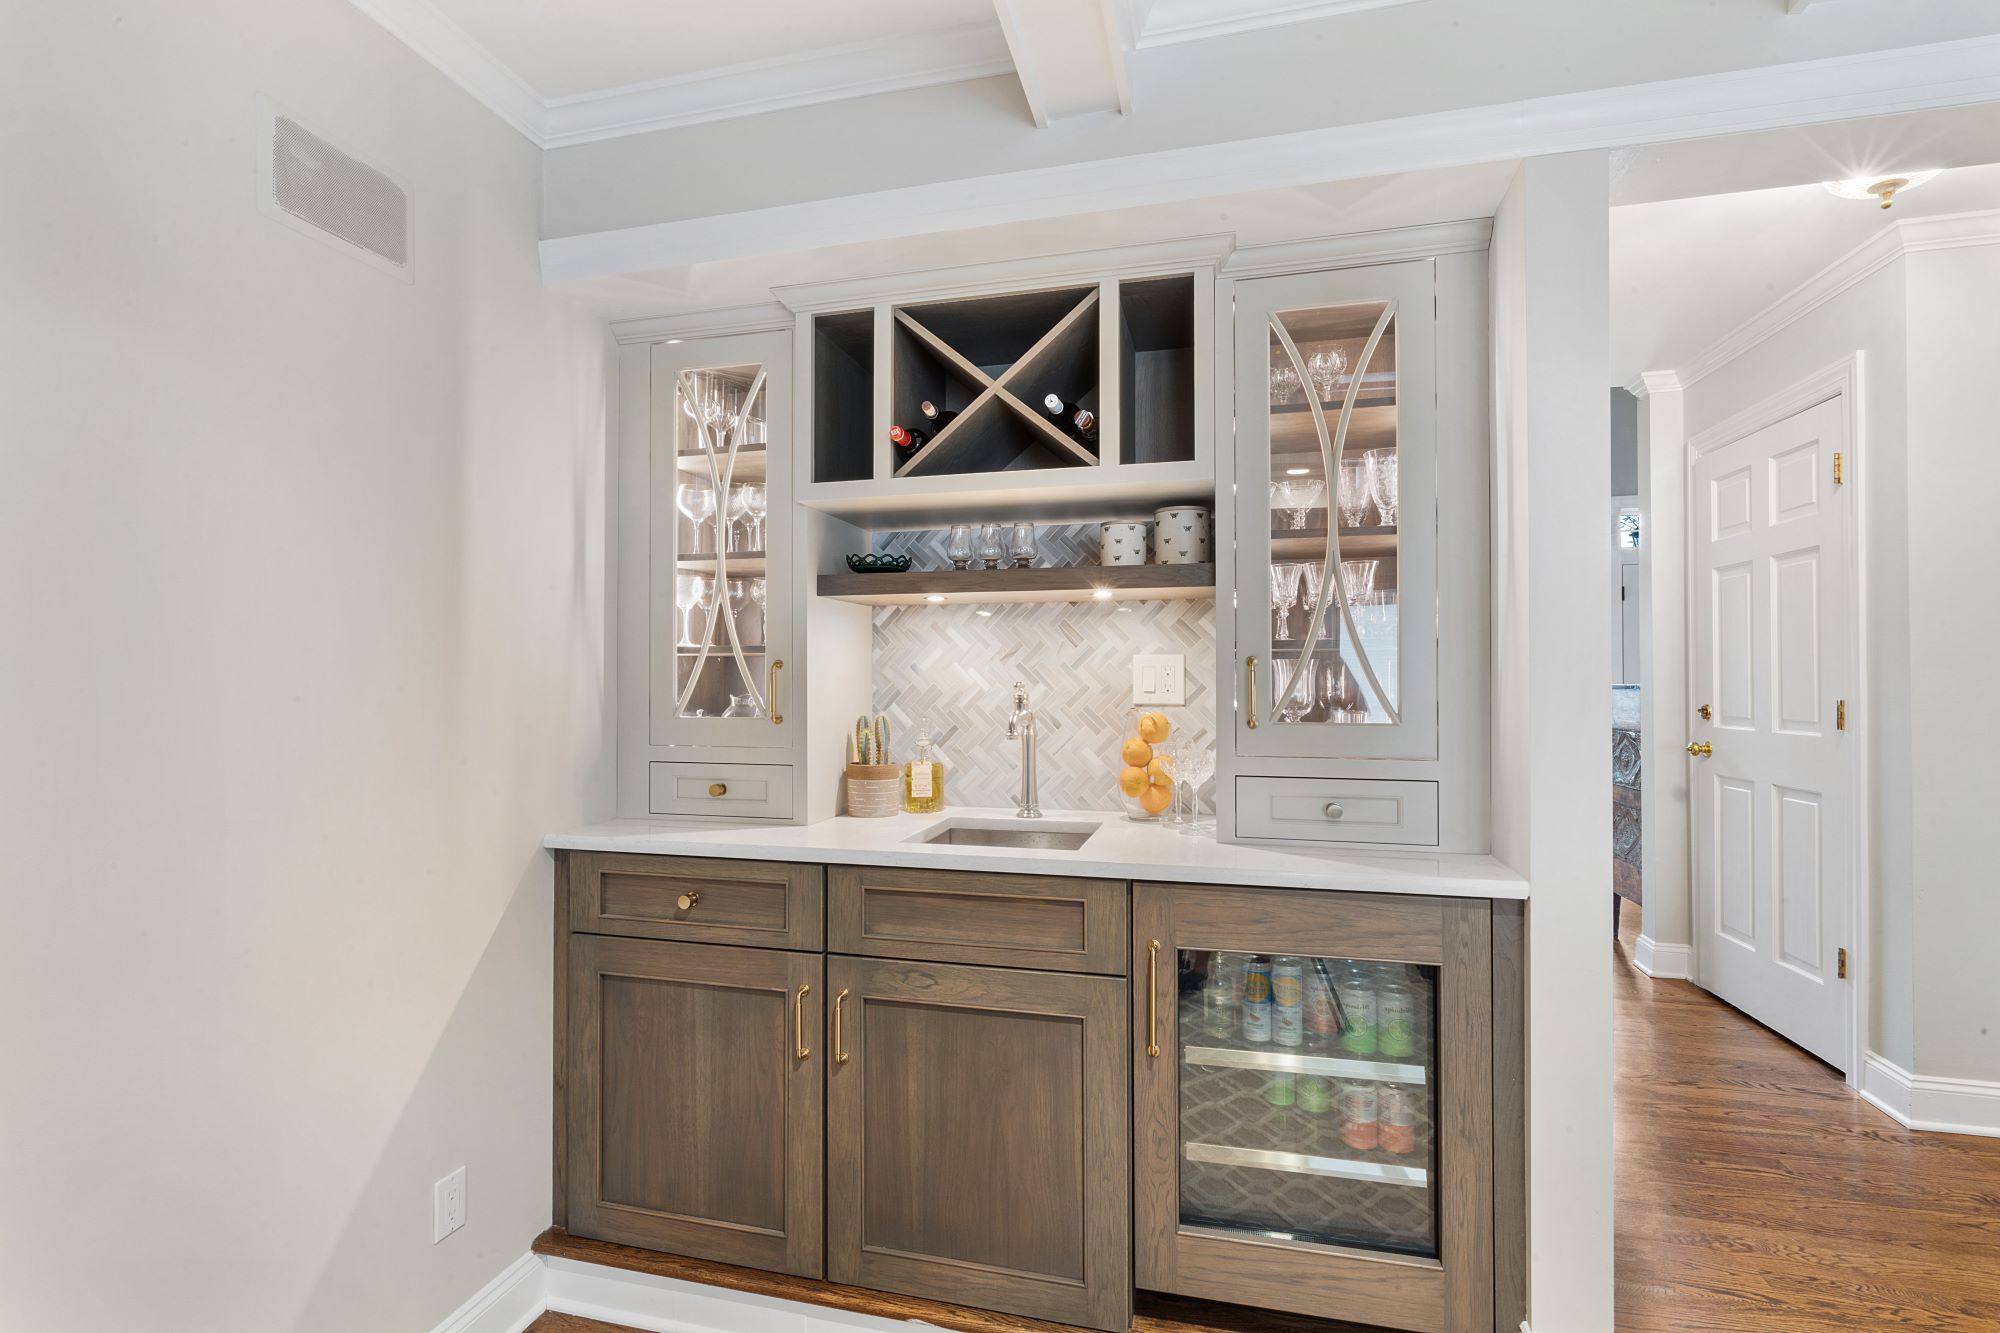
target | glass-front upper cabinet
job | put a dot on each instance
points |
(721, 542)
(1313, 1091)
(1336, 510)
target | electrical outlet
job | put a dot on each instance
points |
(448, 1205)
(1159, 678)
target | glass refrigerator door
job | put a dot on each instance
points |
(1308, 1100)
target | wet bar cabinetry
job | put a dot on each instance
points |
(1040, 1094)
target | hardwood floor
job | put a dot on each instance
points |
(1756, 1193)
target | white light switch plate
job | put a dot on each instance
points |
(1159, 678)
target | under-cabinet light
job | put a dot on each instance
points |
(1101, 594)
(934, 597)
(1297, 471)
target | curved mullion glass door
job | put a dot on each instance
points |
(1336, 578)
(720, 497)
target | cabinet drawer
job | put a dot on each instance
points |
(1034, 921)
(1338, 810)
(765, 903)
(748, 791)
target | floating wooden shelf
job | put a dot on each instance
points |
(1082, 583)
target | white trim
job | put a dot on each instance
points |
(1844, 380)
(703, 323)
(1809, 92)
(1663, 962)
(1170, 21)
(507, 1304)
(1649, 382)
(828, 74)
(1936, 1105)
(1057, 270)
(670, 1305)
(1904, 236)
(777, 83)
(1361, 249)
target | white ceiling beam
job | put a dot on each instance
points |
(1797, 6)
(1069, 55)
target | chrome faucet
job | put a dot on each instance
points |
(1021, 725)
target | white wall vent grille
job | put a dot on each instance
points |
(314, 187)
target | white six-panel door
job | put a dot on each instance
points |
(1772, 659)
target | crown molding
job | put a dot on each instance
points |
(1951, 231)
(422, 26)
(829, 74)
(1909, 79)
(1369, 247)
(1171, 21)
(1649, 382)
(761, 318)
(1137, 261)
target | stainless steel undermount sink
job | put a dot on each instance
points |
(1027, 835)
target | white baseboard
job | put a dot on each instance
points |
(1664, 962)
(507, 1304)
(669, 1305)
(1939, 1105)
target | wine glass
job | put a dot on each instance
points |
(1297, 496)
(760, 593)
(959, 547)
(1196, 767)
(1336, 687)
(733, 513)
(1383, 483)
(1309, 595)
(1326, 366)
(1284, 383)
(992, 550)
(1354, 491)
(1021, 544)
(1284, 595)
(689, 593)
(756, 503)
(1357, 579)
(739, 597)
(697, 503)
(1300, 700)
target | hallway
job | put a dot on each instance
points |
(1756, 1193)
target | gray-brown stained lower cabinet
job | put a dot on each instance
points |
(1313, 1099)
(695, 1100)
(978, 1137)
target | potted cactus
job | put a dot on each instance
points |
(874, 780)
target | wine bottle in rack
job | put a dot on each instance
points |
(1085, 422)
(908, 439)
(937, 418)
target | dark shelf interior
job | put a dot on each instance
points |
(993, 332)
(994, 436)
(843, 396)
(1156, 368)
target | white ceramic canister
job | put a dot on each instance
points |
(1183, 535)
(1121, 544)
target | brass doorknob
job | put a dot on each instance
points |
(1700, 749)
(1706, 712)
(688, 900)
(718, 789)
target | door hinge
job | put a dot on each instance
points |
(1839, 476)
(1843, 964)
(1840, 715)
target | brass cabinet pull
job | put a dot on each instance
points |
(1153, 998)
(718, 789)
(1700, 749)
(1250, 685)
(839, 1053)
(771, 691)
(800, 1050)
(688, 900)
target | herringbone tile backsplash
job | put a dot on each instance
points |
(957, 666)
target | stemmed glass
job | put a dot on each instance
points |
(1284, 383)
(1357, 579)
(1297, 496)
(698, 504)
(736, 511)
(760, 593)
(1300, 701)
(1021, 544)
(1354, 492)
(1309, 595)
(1336, 687)
(992, 550)
(959, 547)
(1197, 766)
(690, 591)
(1382, 482)
(739, 596)
(1326, 366)
(1284, 595)
(756, 504)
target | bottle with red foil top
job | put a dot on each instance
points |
(908, 439)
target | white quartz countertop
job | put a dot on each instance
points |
(1119, 849)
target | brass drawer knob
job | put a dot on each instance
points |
(688, 900)
(1700, 749)
(1334, 810)
(718, 789)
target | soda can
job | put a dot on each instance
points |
(1360, 1124)
(1396, 1019)
(1288, 1002)
(1257, 1001)
(1314, 1096)
(1398, 1121)
(1282, 1089)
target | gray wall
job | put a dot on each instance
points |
(1624, 443)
